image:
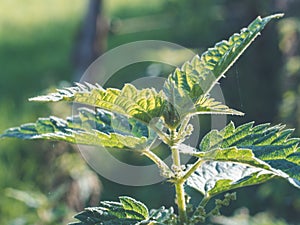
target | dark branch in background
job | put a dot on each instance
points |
(91, 39)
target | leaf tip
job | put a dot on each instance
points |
(32, 99)
(240, 113)
(37, 99)
(278, 15)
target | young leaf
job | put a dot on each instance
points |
(90, 128)
(196, 78)
(142, 105)
(180, 105)
(126, 212)
(187, 88)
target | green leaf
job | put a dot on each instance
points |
(89, 127)
(206, 105)
(143, 105)
(266, 148)
(161, 216)
(214, 177)
(198, 76)
(234, 154)
(187, 88)
(134, 209)
(126, 212)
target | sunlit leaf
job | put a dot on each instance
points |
(264, 149)
(206, 105)
(134, 208)
(88, 127)
(198, 76)
(126, 212)
(214, 177)
(143, 105)
(187, 87)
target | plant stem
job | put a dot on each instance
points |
(204, 201)
(202, 205)
(180, 200)
(183, 125)
(180, 193)
(176, 158)
(165, 170)
(161, 134)
(191, 170)
(179, 188)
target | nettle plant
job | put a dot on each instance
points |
(231, 158)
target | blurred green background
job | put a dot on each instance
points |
(46, 183)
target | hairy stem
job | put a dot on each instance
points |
(180, 201)
(179, 188)
(204, 201)
(176, 159)
(165, 170)
(161, 135)
(201, 207)
(191, 170)
(183, 125)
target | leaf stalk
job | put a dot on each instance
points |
(164, 168)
